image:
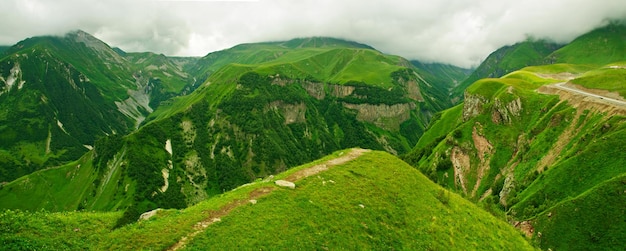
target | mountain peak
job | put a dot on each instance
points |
(88, 39)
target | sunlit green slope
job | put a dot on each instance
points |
(375, 201)
(508, 59)
(542, 146)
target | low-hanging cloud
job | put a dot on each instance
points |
(457, 32)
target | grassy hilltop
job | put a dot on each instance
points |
(375, 201)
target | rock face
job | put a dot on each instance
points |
(284, 183)
(316, 90)
(503, 113)
(388, 117)
(293, 113)
(473, 105)
(341, 91)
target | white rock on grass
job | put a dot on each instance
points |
(149, 214)
(284, 183)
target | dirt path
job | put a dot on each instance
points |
(215, 216)
(353, 154)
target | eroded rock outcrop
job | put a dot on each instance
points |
(316, 90)
(461, 163)
(293, 113)
(388, 117)
(504, 113)
(341, 91)
(473, 105)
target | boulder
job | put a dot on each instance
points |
(149, 214)
(284, 183)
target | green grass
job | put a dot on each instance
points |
(441, 125)
(560, 68)
(487, 87)
(48, 189)
(364, 204)
(531, 80)
(54, 231)
(156, 66)
(591, 165)
(75, 185)
(333, 65)
(332, 61)
(400, 209)
(577, 224)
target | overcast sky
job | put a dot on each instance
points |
(459, 32)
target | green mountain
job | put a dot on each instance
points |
(508, 59)
(543, 145)
(601, 46)
(443, 75)
(59, 94)
(352, 199)
(289, 103)
(256, 53)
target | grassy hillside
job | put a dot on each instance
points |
(599, 47)
(603, 231)
(373, 202)
(257, 53)
(530, 154)
(552, 163)
(610, 78)
(331, 60)
(508, 59)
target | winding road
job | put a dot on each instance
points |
(588, 94)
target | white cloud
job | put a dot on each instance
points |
(451, 31)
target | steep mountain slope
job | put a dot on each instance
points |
(599, 47)
(364, 200)
(248, 121)
(542, 143)
(508, 59)
(442, 75)
(167, 76)
(59, 94)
